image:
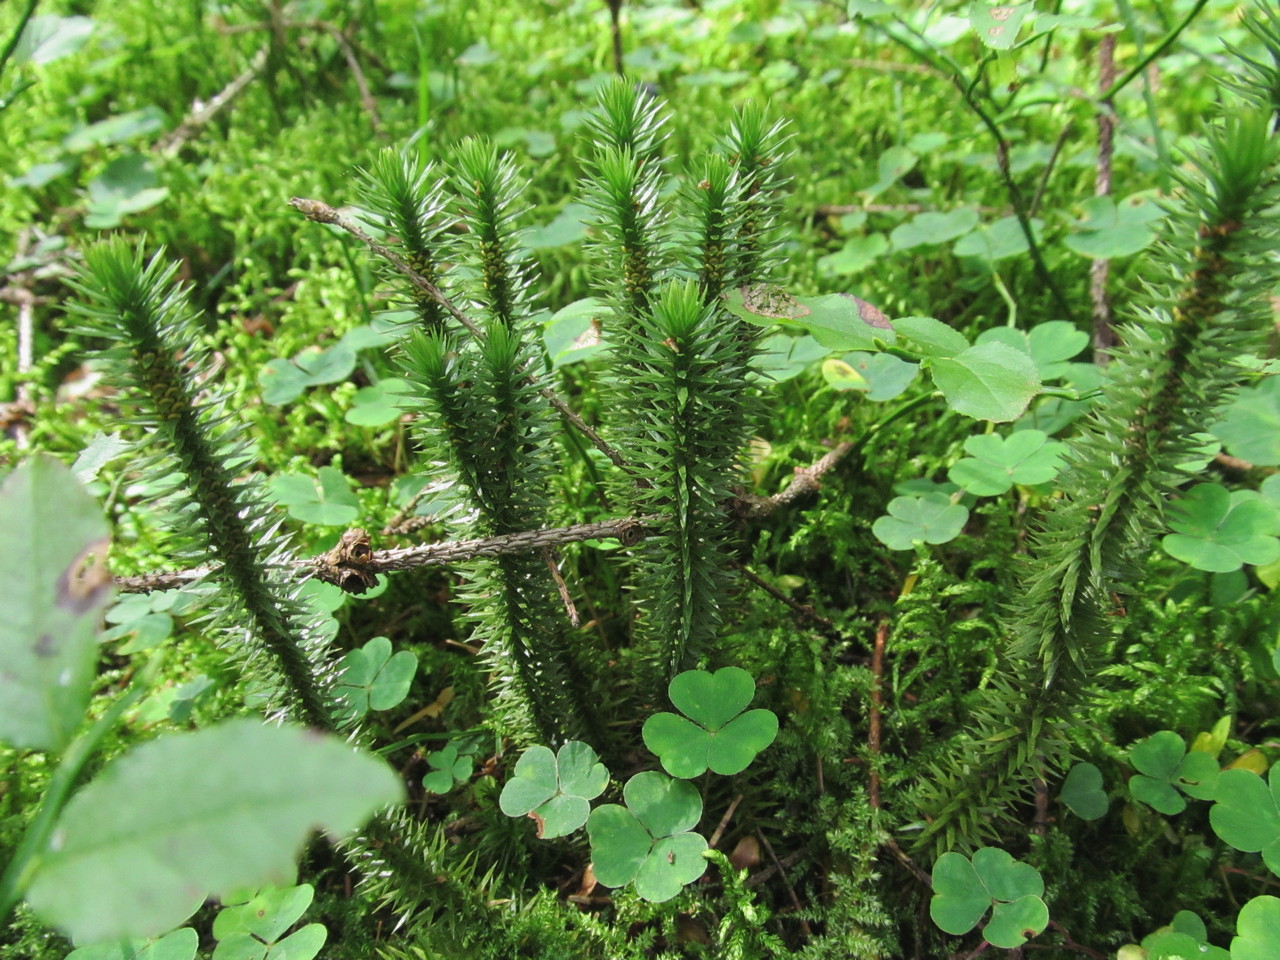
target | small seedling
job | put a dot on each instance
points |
(1164, 764)
(447, 768)
(555, 789)
(965, 890)
(715, 736)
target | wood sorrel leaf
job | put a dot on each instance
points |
(555, 788)
(716, 737)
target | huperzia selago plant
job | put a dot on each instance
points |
(691, 262)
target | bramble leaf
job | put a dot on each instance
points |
(989, 381)
(52, 600)
(138, 849)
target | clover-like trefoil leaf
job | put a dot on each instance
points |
(718, 735)
(554, 789)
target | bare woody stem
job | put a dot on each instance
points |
(353, 564)
(321, 212)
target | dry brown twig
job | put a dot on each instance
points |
(354, 565)
(202, 112)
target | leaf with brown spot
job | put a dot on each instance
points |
(869, 313)
(772, 301)
(52, 595)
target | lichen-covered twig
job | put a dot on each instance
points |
(629, 530)
(354, 556)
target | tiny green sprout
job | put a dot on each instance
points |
(375, 679)
(649, 841)
(1219, 530)
(447, 768)
(717, 735)
(964, 890)
(555, 789)
(1164, 764)
(1247, 814)
(254, 927)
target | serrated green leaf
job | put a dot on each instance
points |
(53, 597)
(989, 381)
(929, 337)
(997, 25)
(188, 815)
